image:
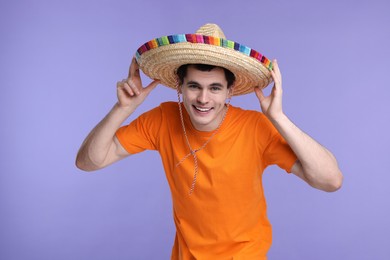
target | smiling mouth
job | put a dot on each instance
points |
(201, 109)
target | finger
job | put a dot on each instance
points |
(277, 80)
(275, 66)
(276, 70)
(124, 87)
(134, 68)
(259, 93)
(134, 87)
(151, 86)
(275, 77)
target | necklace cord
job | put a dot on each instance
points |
(194, 151)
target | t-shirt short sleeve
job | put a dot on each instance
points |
(142, 133)
(280, 153)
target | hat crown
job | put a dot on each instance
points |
(211, 29)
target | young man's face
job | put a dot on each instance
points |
(204, 96)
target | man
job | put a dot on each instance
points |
(213, 153)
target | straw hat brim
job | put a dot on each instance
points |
(160, 58)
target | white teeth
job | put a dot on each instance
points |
(203, 109)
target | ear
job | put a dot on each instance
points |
(230, 91)
(178, 86)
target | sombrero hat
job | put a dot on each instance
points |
(161, 57)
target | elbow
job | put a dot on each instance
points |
(82, 164)
(335, 183)
(330, 182)
(79, 165)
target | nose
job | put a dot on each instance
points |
(202, 96)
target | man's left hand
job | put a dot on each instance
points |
(272, 104)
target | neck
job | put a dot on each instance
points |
(193, 152)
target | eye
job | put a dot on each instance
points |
(215, 89)
(193, 86)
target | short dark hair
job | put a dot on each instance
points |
(182, 72)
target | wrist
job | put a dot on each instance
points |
(124, 111)
(279, 119)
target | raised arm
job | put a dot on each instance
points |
(101, 148)
(316, 165)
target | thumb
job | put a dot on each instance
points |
(151, 86)
(259, 94)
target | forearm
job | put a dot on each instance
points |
(319, 166)
(99, 147)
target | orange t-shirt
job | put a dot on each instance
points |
(225, 216)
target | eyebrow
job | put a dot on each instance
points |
(215, 84)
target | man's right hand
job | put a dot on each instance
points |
(101, 147)
(130, 91)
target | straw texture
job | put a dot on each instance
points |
(161, 57)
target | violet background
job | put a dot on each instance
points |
(60, 61)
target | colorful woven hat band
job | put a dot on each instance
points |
(161, 57)
(203, 39)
